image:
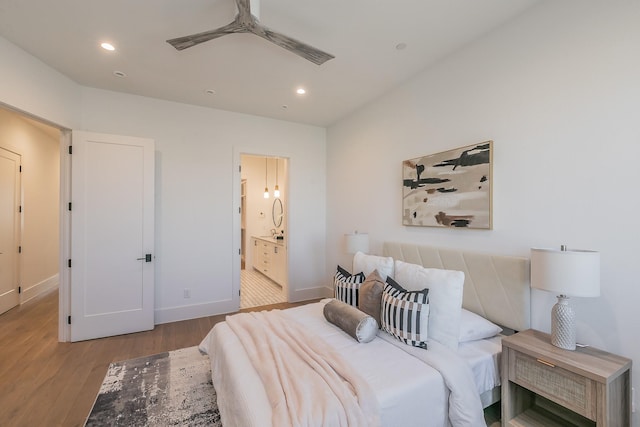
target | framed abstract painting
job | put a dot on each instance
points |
(452, 189)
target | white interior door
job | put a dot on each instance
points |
(9, 228)
(112, 235)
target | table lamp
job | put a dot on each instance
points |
(572, 272)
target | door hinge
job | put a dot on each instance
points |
(69, 263)
(69, 205)
(238, 292)
(19, 289)
(70, 149)
(68, 320)
(239, 252)
(240, 210)
(20, 208)
(20, 168)
(19, 249)
(240, 168)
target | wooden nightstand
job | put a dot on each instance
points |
(543, 385)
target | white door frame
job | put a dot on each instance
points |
(64, 294)
(238, 152)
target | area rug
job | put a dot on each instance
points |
(166, 389)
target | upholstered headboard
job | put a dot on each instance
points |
(495, 287)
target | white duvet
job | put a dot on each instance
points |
(409, 390)
(307, 382)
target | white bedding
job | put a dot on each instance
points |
(483, 356)
(409, 392)
(306, 381)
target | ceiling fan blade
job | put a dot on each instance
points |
(244, 11)
(292, 45)
(246, 21)
(181, 43)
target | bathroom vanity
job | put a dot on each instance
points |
(270, 258)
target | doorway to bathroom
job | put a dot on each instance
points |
(263, 231)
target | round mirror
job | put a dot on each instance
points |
(277, 212)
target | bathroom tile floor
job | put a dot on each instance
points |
(256, 290)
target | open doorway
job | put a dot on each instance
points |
(35, 231)
(263, 231)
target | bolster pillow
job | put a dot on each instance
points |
(359, 325)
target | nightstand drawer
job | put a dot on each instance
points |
(566, 388)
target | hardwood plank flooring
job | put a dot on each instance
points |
(47, 383)
(44, 382)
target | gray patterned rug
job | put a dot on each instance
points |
(166, 389)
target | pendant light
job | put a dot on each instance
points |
(266, 189)
(276, 191)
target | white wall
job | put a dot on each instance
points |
(197, 180)
(27, 84)
(558, 91)
(197, 195)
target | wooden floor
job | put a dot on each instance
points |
(47, 383)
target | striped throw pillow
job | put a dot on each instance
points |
(347, 286)
(405, 314)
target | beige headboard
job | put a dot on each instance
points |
(495, 287)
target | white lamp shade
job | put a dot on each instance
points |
(357, 242)
(571, 272)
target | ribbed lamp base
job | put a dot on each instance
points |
(563, 328)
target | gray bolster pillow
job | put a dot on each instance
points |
(359, 325)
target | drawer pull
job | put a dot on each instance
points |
(544, 362)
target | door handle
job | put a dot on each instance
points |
(147, 258)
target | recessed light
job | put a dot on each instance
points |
(119, 74)
(107, 46)
(210, 92)
(401, 46)
(301, 91)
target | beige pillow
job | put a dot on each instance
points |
(370, 298)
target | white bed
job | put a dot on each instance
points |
(409, 392)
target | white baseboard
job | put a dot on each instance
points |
(195, 311)
(39, 288)
(311, 293)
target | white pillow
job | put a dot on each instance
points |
(474, 327)
(367, 263)
(445, 298)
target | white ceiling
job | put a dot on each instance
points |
(247, 73)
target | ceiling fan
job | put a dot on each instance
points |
(246, 21)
